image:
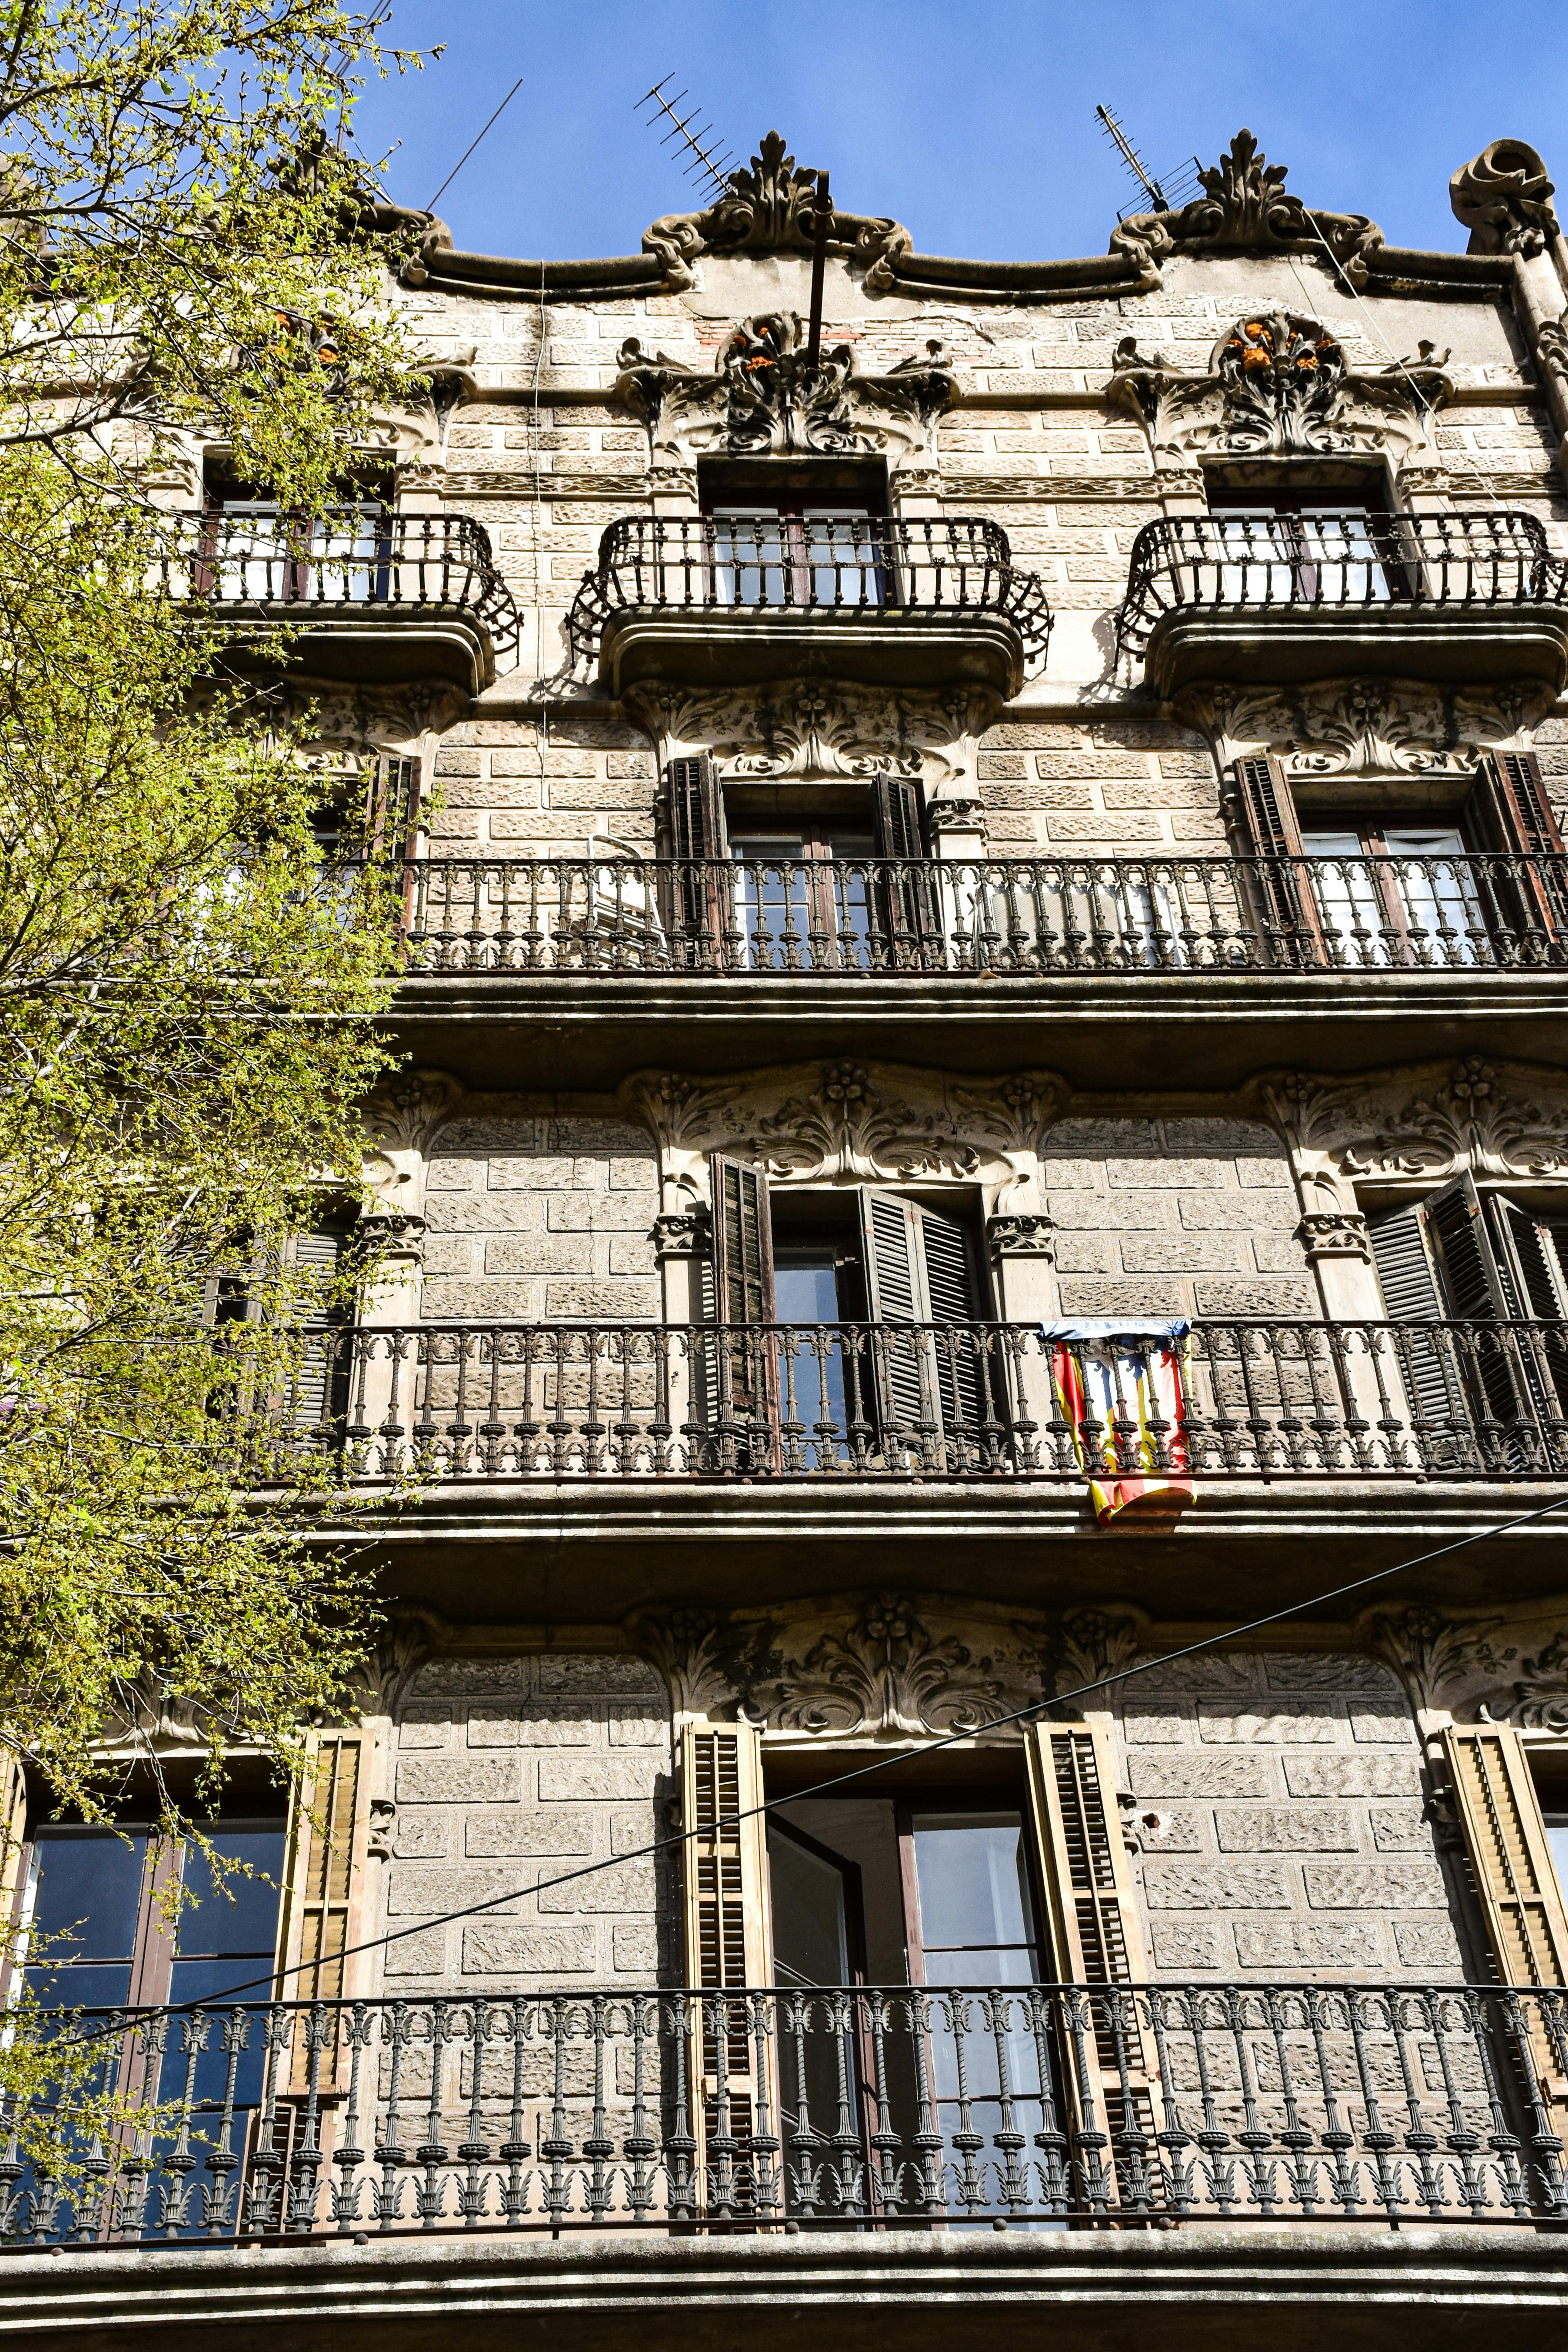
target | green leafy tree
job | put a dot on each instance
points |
(188, 1001)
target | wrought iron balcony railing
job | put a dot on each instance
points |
(548, 2111)
(761, 564)
(1328, 563)
(305, 570)
(825, 1401)
(761, 917)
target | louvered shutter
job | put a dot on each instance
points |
(906, 1398)
(1516, 1884)
(1509, 814)
(319, 1392)
(1096, 1942)
(1502, 1378)
(904, 908)
(1529, 1257)
(697, 913)
(323, 1896)
(1408, 1280)
(1280, 883)
(964, 1372)
(392, 812)
(744, 1377)
(728, 1950)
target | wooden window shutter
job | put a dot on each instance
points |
(323, 1908)
(1280, 882)
(318, 1403)
(1092, 1923)
(904, 909)
(728, 1948)
(696, 908)
(744, 1375)
(1509, 814)
(1408, 1279)
(391, 810)
(1521, 1904)
(921, 1269)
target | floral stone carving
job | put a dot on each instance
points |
(1504, 198)
(766, 207)
(1243, 208)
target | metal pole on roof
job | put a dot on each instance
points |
(821, 221)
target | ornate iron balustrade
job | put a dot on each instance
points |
(1300, 563)
(652, 2109)
(761, 917)
(1261, 1400)
(302, 569)
(776, 564)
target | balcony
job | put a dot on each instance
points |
(701, 601)
(366, 596)
(978, 1404)
(1460, 599)
(754, 920)
(533, 2115)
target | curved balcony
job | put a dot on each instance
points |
(369, 596)
(699, 599)
(1456, 598)
(752, 919)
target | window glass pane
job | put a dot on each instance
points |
(1557, 1839)
(89, 1887)
(243, 1918)
(974, 1890)
(806, 1286)
(810, 1944)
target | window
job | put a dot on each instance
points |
(796, 535)
(883, 1312)
(932, 1890)
(1306, 546)
(825, 879)
(1480, 884)
(312, 1409)
(257, 552)
(1497, 1267)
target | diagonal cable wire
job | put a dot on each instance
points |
(469, 149)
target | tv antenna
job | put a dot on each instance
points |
(1171, 189)
(705, 160)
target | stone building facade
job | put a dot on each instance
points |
(986, 1104)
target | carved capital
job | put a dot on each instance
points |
(1333, 1233)
(394, 1235)
(1021, 1235)
(1433, 1657)
(677, 1234)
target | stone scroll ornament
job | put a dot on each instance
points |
(1279, 385)
(1504, 198)
(1244, 209)
(767, 208)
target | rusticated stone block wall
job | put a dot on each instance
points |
(540, 1216)
(505, 1772)
(1174, 1216)
(1278, 1808)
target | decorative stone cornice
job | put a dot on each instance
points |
(1244, 209)
(811, 731)
(1504, 198)
(1362, 726)
(767, 397)
(767, 208)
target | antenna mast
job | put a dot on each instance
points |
(1172, 190)
(704, 162)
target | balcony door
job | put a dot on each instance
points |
(935, 1894)
(1302, 548)
(1394, 893)
(257, 552)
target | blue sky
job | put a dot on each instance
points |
(970, 121)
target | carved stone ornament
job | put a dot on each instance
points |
(410, 1637)
(847, 1122)
(677, 1234)
(1504, 1120)
(766, 398)
(1022, 1235)
(401, 1115)
(1362, 727)
(1538, 1701)
(1436, 1659)
(1279, 385)
(1244, 209)
(767, 208)
(1091, 1644)
(1504, 198)
(1333, 1233)
(813, 733)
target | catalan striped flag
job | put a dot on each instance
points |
(1121, 1389)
